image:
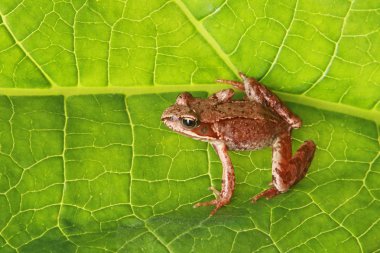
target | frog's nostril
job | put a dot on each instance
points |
(166, 118)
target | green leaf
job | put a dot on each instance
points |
(87, 166)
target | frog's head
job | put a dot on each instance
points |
(181, 118)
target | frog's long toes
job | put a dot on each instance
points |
(207, 203)
(268, 194)
(214, 210)
(236, 84)
(218, 203)
(242, 75)
(215, 191)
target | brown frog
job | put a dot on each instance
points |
(258, 121)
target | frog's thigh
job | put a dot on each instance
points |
(283, 173)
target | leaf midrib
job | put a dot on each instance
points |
(368, 114)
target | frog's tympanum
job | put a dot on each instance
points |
(258, 121)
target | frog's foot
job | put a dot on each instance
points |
(268, 194)
(236, 84)
(218, 203)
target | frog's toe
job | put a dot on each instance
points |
(206, 203)
(236, 84)
(268, 194)
(215, 191)
(218, 203)
(212, 202)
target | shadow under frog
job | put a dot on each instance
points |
(258, 121)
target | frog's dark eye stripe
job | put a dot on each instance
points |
(189, 123)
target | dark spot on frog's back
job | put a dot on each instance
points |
(249, 133)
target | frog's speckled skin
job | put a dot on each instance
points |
(259, 121)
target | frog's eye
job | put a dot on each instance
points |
(189, 123)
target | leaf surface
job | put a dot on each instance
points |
(86, 165)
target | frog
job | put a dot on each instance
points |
(257, 121)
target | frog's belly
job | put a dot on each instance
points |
(249, 134)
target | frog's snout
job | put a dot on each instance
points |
(166, 119)
(173, 114)
(169, 120)
(163, 117)
(166, 115)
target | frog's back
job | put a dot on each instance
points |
(247, 110)
(248, 125)
(241, 125)
(248, 134)
(210, 113)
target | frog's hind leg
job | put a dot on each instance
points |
(287, 170)
(261, 94)
(257, 92)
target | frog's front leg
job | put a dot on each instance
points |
(287, 170)
(228, 180)
(259, 93)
